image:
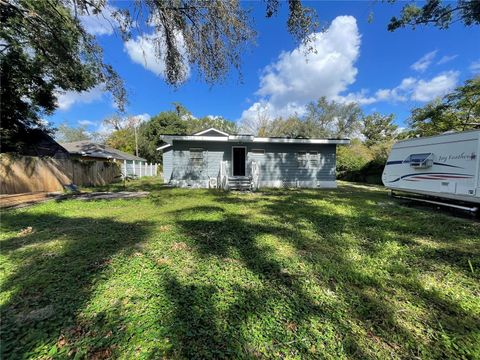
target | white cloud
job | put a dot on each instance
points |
(103, 23)
(446, 58)
(145, 50)
(360, 97)
(106, 129)
(424, 62)
(419, 89)
(438, 86)
(296, 78)
(86, 123)
(66, 99)
(475, 67)
(142, 117)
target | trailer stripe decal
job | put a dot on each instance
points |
(397, 162)
(434, 176)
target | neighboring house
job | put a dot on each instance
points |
(88, 150)
(213, 158)
(37, 143)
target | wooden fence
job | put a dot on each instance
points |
(23, 174)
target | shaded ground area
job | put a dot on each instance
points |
(184, 273)
(23, 200)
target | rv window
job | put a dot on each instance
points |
(258, 151)
(196, 157)
(302, 158)
(422, 161)
(314, 157)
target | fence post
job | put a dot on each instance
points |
(134, 170)
(151, 169)
(155, 169)
(125, 169)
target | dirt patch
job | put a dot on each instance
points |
(180, 246)
(106, 195)
(36, 315)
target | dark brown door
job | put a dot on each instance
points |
(239, 157)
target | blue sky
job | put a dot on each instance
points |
(355, 61)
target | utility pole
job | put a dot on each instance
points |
(136, 139)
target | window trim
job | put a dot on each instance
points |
(257, 151)
(425, 160)
(314, 157)
(302, 162)
(199, 160)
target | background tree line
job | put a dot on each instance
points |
(371, 135)
(46, 50)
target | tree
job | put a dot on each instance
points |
(44, 49)
(457, 111)
(65, 133)
(292, 127)
(257, 124)
(218, 122)
(165, 123)
(122, 139)
(378, 128)
(439, 13)
(352, 157)
(326, 119)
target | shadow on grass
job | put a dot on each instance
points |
(60, 261)
(371, 313)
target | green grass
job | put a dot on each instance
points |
(343, 273)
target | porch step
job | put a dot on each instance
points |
(239, 183)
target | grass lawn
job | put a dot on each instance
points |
(343, 273)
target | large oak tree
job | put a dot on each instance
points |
(45, 49)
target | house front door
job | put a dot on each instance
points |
(239, 157)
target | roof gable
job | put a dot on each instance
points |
(211, 132)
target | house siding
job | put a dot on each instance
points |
(167, 165)
(278, 165)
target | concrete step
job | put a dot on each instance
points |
(238, 178)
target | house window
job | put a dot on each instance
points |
(196, 157)
(258, 151)
(302, 158)
(314, 157)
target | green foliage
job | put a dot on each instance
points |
(331, 119)
(378, 128)
(177, 122)
(361, 163)
(304, 274)
(353, 157)
(66, 133)
(458, 111)
(165, 123)
(323, 119)
(438, 13)
(122, 139)
(43, 50)
(292, 127)
(196, 125)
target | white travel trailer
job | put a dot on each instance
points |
(445, 166)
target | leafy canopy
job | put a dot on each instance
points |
(378, 128)
(66, 134)
(438, 13)
(45, 50)
(458, 111)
